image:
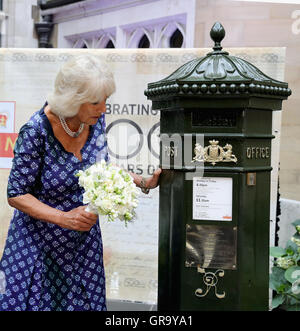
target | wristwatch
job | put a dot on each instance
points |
(143, 186)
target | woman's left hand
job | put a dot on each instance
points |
(152, 182)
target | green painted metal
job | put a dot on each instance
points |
(231, 101)
(217, 76)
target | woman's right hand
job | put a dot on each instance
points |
(78, 219)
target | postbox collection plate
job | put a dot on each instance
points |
(211, 246)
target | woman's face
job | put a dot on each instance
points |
(89, 113)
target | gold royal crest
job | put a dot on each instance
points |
(213, 153)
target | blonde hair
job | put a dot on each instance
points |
(82, 79)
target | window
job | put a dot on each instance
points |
(110, 44)
(97, 39)
(176, 40)
(162, 34)
(144, 42)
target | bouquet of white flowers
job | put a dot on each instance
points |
(109, 191)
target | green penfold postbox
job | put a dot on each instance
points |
(214, 208)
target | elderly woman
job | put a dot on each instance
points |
(53, 256)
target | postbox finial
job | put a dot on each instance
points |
(217, 34)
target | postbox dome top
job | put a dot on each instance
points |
(218, 74)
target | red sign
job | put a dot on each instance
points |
(7, 143)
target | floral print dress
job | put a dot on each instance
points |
(46, 267)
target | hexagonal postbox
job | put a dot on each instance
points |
(214, 214)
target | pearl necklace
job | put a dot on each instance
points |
(68, 131)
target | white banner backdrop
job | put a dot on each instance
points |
(27, 76)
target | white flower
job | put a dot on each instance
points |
(284, 262)
(110, 190)
(296, 241)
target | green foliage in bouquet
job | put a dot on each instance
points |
(285, 277)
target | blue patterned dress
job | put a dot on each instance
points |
(47, 267)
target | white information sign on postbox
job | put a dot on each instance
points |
(212, 198)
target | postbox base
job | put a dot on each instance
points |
(233, 275)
